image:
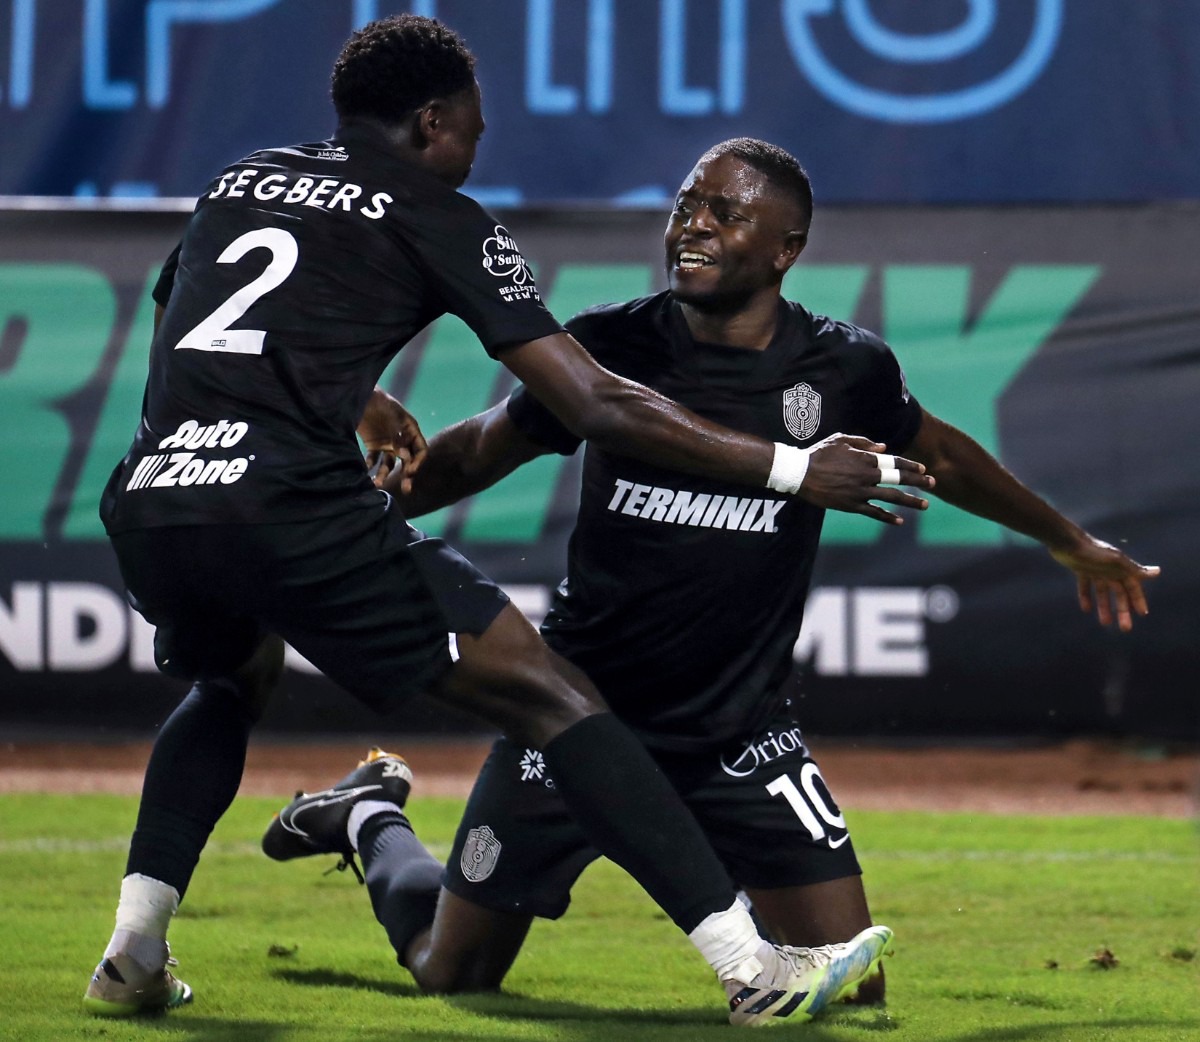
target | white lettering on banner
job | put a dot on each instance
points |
(678, 507)
(21, 627)
(74, 626)
(85, 626)
(871, 631)
(868, 631)
(70, 627)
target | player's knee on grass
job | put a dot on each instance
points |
(871, 992)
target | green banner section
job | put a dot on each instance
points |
(958, 367)
(56, 321)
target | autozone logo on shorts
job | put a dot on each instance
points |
(168, 469)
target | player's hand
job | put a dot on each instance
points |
(392, 441)
(1110, 583)
(845, 472)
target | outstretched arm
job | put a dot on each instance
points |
(627, 418)
(464, 459)
(1109, 582)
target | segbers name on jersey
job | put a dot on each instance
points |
(703, 510)
(324, 193)
(168, 469)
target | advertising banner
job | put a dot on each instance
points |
(885, 101)
(1066, 341)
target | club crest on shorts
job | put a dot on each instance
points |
(480, 853)
(801, 410)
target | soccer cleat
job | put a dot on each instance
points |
(852, 994)
(120, 987)
(315, 823)
(805, 981)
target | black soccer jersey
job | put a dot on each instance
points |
(302, 271)
(684, 596)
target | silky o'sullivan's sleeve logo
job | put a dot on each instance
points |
(503, 259)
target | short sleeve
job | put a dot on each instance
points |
(603, 330)
(885, 410)
(539, 424)
(479, 272)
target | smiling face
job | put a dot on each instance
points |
(731, 236)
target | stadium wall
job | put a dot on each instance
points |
(1065, 340)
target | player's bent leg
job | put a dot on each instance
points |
(820, 914)
(509, 677)
(467, 948)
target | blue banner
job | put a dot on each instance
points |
(885, 101)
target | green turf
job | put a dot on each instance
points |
(982, 905)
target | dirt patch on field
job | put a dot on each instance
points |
(1076, 777)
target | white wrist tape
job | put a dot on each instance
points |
(788, 468)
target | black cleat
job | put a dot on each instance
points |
(315, 822)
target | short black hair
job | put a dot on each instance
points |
(393, 66)
(781, 169)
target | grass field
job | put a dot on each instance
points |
(997, 921)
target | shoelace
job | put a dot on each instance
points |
(347, 862)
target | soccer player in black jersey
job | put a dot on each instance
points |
(684, 594)
(243, 513)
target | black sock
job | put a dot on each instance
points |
(633, 816)
(193, 775)
(403, 878)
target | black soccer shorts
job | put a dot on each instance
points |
(762, 804)
(364, 596)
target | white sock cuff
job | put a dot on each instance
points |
(151, 953)
(143, 915)
(146, 905)
(360, 812)
(729, 941)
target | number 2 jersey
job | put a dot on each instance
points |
(684, 596)
(301, 273)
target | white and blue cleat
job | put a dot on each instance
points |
(806, 981)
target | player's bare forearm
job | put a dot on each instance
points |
(629, 419)
(466, 458)
(626, 418)
(1108, 582)
(972, 479)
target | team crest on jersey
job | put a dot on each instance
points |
(802, 410)
(480, 854)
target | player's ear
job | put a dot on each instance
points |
(793, 245)
(427, 122)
